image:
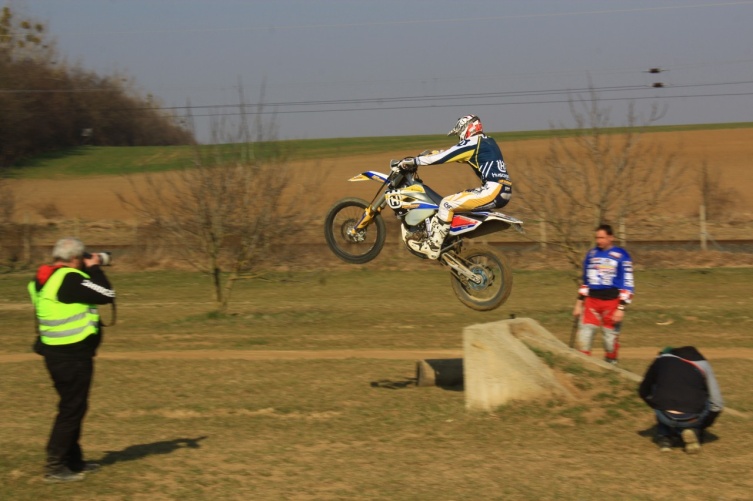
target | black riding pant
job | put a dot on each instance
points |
(72, 380)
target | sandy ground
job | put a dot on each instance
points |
(726, 152)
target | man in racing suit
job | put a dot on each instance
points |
(482, 153)
(606, 290)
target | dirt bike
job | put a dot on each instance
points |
(355, 231)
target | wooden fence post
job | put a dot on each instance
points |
(26, 236)
(542, 230)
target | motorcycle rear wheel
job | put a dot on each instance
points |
(364, 245)
(496, 278)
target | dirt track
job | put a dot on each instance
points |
(631, 353)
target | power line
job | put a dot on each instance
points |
(433, 97)
(526, 93)
(401, 107)
(412, 107)
(415, 102)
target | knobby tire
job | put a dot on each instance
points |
(497, 273)
(367, 245)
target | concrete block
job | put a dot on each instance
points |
(498, 368)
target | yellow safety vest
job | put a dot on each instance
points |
(61, 323)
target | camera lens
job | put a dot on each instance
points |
(105, 258)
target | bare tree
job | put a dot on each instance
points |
(11, 234)
(596, 173)
(717, 199)
(7, 202)
(228, 214)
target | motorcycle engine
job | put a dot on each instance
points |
(417, 233)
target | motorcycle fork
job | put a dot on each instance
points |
(376, 206)
(370, 212)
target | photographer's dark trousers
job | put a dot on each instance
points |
(72, 380)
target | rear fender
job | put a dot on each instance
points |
(478, 224)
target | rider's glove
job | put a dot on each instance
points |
(407, 163)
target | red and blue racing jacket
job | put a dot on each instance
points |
(608, 274)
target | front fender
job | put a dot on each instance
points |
(370, 175)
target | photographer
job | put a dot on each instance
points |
(681, 388)
(65, 295)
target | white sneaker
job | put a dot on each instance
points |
(690, 439)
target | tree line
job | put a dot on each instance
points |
(48, 105)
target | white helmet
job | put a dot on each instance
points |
(466, 127)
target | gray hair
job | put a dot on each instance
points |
(67, 249)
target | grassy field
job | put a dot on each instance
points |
(305, 389)
(178, 413)
(105, 161)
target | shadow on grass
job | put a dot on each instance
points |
(445, 373)
(390, 384)
(651, 433)
(394, 385)
(134, 452)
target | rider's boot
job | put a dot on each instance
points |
(432, 245)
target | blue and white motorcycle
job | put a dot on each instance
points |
(355, 231)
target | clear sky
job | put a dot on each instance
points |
(332, 68)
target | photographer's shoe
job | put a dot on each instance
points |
(85, 467)
(690, 439)
(664, 443)
(64, 475)
(91, 467)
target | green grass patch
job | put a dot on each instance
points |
(374, 309)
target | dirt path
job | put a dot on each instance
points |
(632, 353)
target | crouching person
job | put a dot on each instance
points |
(681, 388)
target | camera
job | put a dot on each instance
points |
(105, 257)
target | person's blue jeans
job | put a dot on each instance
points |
(670, 424)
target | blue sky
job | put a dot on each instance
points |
(332, 68)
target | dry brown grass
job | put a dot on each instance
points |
(89, 208)
(728, 152)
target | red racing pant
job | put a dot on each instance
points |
(598, 313)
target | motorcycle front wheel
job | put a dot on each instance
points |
(495, 275)
(353, 247)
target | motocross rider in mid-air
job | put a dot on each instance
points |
(484, 155)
